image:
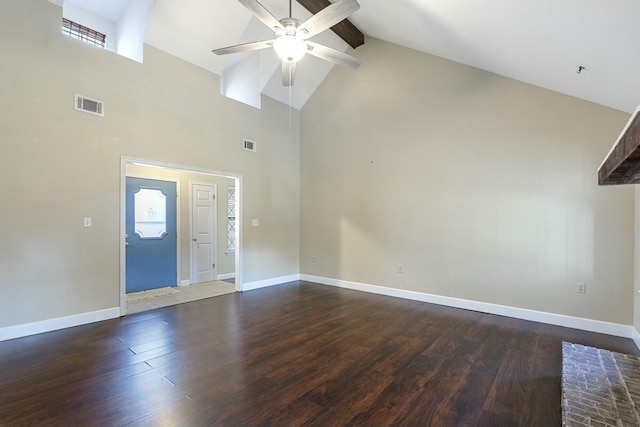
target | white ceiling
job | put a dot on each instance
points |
(108, 9)
(542, 42)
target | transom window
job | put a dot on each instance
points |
(82, 33)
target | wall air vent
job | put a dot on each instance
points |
(249, 145)
(88, 105)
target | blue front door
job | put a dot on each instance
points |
(151, 234)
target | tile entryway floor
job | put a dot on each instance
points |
(162, 297)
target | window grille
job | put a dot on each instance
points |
(83, 33)
(231, 219)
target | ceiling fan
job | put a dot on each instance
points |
(291, 36)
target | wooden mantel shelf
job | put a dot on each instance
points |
(622, 164)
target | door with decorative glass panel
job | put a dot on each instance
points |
(151, 234)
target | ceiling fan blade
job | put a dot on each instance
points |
(263, 14)
(246, 47)
(288, 73)
(329, 54)
(327, 18)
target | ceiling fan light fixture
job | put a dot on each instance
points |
(290, 48)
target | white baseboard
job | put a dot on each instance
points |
(635, 336)
(626, 331)
(26, 329)
(608, 328)
(226, 276)
(249, 286)
(184, 282)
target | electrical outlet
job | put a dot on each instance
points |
(255, 222)
(400, 268)
(581, 288)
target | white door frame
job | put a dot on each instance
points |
(124, 160)
(214, 254)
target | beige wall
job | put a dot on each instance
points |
(225, 263)
(482, 187)
(60, 165)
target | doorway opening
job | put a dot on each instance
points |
(200, 266)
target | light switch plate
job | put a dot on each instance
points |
(87, 221)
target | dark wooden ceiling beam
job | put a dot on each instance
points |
(345, 29)
(622, 165)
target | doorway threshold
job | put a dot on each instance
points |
(163, 297)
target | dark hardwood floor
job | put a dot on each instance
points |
(289, 355)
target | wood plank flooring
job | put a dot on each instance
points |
(292, 355)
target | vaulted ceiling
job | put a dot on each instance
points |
(541, 42)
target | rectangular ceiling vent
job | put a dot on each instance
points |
(249, 145)
(88, 105)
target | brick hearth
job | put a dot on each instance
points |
(599, 387)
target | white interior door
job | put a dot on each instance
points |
(203, 241)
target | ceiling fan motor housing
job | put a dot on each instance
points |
(290, 26)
